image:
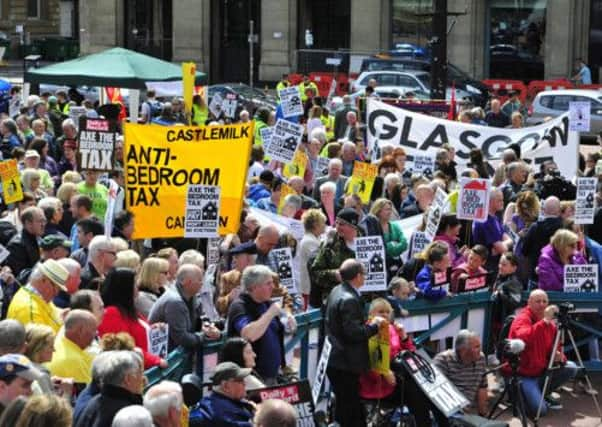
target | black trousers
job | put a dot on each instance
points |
(349, 411)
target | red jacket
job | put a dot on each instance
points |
(113, 322)
(538, 337)
(374, 385)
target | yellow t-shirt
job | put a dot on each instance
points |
(70, 361)
(29, 307)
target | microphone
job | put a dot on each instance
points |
(514, 346)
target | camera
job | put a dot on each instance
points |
(552, 183)
(563, 311)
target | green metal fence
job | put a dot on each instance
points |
(445, 311)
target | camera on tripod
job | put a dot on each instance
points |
(511, 350)
(564, 309)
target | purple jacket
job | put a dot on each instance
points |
(455, 256)
(551, 269)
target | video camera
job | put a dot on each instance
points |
(564, 309)
(552, 183)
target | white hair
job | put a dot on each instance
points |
(255, 275)
(68, 123)
(349, 145)
(328, 186)
(71, 265)
(98, 244)
(390, 178)
(163, 396)
(50, 202)
(192, 256)
(335, 161)
(133, 416)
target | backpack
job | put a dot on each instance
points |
(504, 332)
(155, 108)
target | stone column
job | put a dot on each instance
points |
(278, 38)
(567, 32)
(99, 25)
(191, 32)
(467, 41)
(370, 26)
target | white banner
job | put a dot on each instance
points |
(420, 134)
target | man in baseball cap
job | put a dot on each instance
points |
(33, 302)
(16, 375)
(226, 405)
(55, 246)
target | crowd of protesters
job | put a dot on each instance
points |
(78, 303)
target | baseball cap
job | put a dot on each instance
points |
(55, 272)
(32, 153)
(350, 216)
(19, 365)
(54, 241)
(228, 371)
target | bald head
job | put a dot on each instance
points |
(188, 271)
(267, 238)
(275, 413)
(551, 206)
(296, 183)
(74, 279)
(538, 301)
(80, 327)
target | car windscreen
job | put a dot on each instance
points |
(425, 79)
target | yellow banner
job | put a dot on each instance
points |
(297, 166)
(285, 190)
(362, 180)
(188, 74)
(379, 349)
(161, 161)
(11, 181)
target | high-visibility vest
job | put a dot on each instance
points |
(199, 115)
(303, 88)
(283, 84)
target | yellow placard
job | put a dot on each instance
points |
(188, 74)
(285, 190)
(362, 180)
(379, 348)
(11, 181)
(297, 166)
(161, 161)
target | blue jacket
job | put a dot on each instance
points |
(217, 410)
(423, 281)
(594, 250)
(258, 191)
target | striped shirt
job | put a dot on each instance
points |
(467, 378)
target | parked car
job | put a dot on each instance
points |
(383, 92)
(248, 98)
(478, 91)
(552, 103)
(415, 81)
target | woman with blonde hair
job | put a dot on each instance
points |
(71, 176)
(45, 410)
(39, 347)
(151, 283)
(562, 250)
(128, 259)
(64, 194)
(31, 181)
(171, 255)
(117, 341)
(314, 223)
(378, 223)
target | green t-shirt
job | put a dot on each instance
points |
(100, 198)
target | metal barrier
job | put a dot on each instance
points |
(443, 318)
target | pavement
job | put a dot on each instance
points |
(578, 409)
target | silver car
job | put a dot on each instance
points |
(552, 103)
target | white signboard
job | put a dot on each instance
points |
(215, 106)
(266, 136)
(371, 252)
(229, 107)
(585, 203)
(202, 211)
(290, 99)
(321, 371)
(96, 144)
(286, 273)
(419, 134)
(158, 338)
(4, 253)
(75, 113)
(424, 164)
(213, 250)
(322, 167)
(419, 242)
(285, 139)
(435, 213)
(581, 278)
(473, 200)
(579, 116)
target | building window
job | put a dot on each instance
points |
(411, 21)
(33, 8)
(517, 33)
